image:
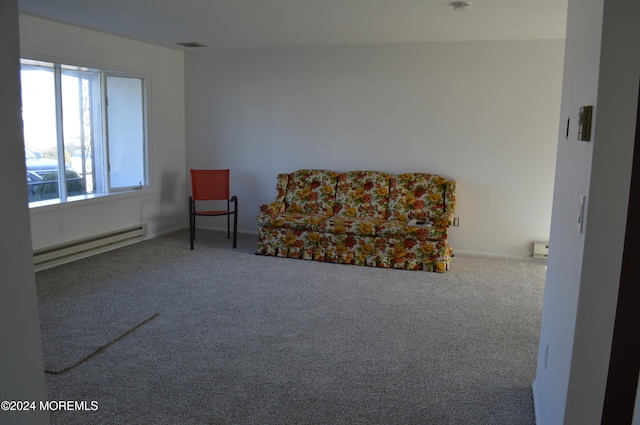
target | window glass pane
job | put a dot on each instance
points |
(81, 112)
(39, 126)
(126, 136)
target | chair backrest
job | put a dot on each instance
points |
(210, 185)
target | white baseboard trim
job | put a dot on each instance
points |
(151, 235)
(494, 255)
(455, 251)
(536, 413)
(224, 229)
(216, 229)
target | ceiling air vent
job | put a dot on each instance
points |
(191, 44)
(461, 6)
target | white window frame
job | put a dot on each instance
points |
(108, 192)
(145, 130)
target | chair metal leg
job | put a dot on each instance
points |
(192, 223)
(235, 221)
(228, 221)
(235, 229)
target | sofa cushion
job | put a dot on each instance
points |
(272, 208)
(397, 229)
(417, 195)
(311, 193)
(362, 194)
(350, 225)
(289, 221)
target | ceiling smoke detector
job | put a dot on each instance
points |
(461, 6)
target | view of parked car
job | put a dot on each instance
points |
(39, 166)
(42, 177)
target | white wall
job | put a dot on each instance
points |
(613, 148)
(164, 206)
(566, 243)
(21, 365)
(601, 69)
(482, 113)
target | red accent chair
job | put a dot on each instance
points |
(212, 185)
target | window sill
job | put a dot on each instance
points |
(82, 200)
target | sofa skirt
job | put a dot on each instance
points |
(371, 251)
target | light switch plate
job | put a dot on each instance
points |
(581, 214)
(584, 123)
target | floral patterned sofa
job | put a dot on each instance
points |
(361, 218)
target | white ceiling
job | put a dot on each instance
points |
(229, 24)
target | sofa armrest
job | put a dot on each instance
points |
(282, 183)
(273, 208)
(450, 196)
(444, 220)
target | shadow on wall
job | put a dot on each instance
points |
(249, 189)
(168, 187)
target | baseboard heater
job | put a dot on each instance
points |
(64, 253)
(541, 250)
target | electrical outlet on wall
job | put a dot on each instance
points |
(456, 222)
